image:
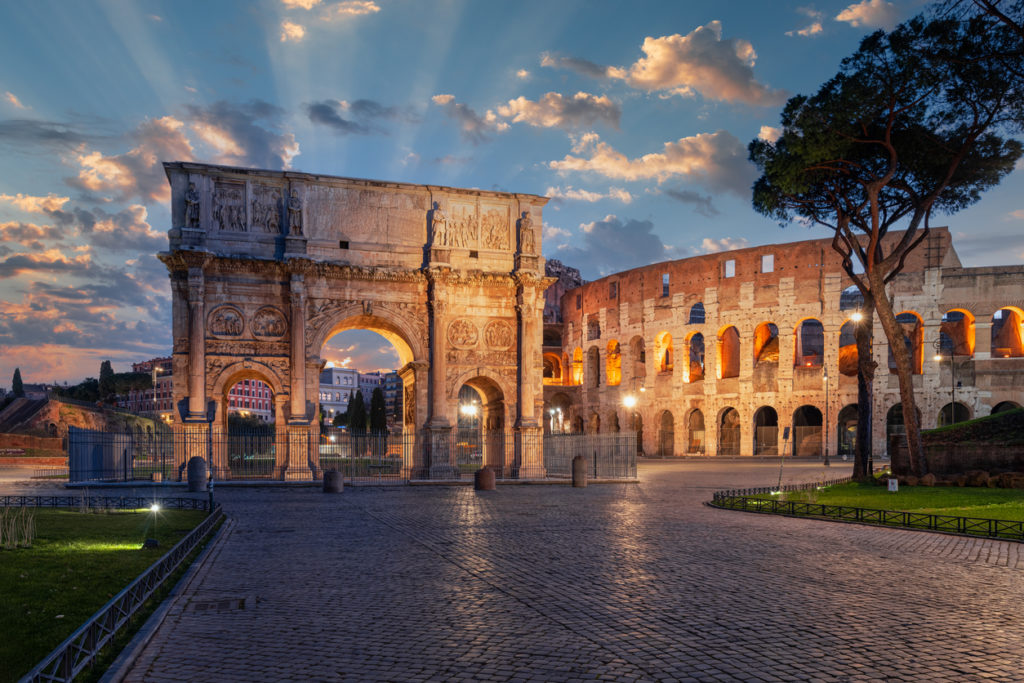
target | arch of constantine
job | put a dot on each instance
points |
(719, 354)
(266, 266)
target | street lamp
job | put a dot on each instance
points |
(952, 379)
(156, 370)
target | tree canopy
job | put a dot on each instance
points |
(913, 124)
(17, 387)
(378, 415)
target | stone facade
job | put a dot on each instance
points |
(777, 349)
(266, 266)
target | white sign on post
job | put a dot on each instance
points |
(894, 485)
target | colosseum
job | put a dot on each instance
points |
(720, 354)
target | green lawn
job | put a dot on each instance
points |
(78, 562)
(985, 503)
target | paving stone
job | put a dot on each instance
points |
(611, 582)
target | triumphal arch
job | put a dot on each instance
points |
(266, 266)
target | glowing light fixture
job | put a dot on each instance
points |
(857, 316)
(629, 400)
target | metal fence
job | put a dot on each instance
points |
(104, 502)
(970, 526)
(80, 648)
(301, 454)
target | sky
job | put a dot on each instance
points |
(633, 117)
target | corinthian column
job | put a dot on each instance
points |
(298, 350)
(438, 364)
(196, 344)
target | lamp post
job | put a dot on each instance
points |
(952, 379)
(156, 370)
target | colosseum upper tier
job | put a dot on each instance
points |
(720, 354)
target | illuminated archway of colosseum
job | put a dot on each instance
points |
(266, 266)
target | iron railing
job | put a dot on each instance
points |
(304, 454)
(80, 649)
(104, 502)
(748, 500)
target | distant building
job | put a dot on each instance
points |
(393, 397)
(368, 381)
(251, 397)
(158, 396)
(336, 384)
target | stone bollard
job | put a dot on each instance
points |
(484, 479)
(333, 483)
(579, 472)
(196, 474)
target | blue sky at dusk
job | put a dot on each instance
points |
(633, 117)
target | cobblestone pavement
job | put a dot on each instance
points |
(623, 582)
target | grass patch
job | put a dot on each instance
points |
(77, 563)
(986, 503)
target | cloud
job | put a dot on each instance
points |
(717, 160)
(522, 74)
(769, 133)
(712, 246)
(553, 110)
(1019, 213)
(551, 232)
(572, 193)
(814, 28)
(700, 62)
(126, 230)
(29, 235)
(451, 160)
(701, 204)
(364, 116)
(50, 261)
(613, 244)
(300, 4)
(138, 172)
(13, 99)
(50, 202)
(245, 134)
(474, 127)
(350, 8)
(31, 134)
(580, 66)
(870, 14)
(290, 31)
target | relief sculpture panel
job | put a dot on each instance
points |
(229, 206)
(498, 334)
(463, 228)
(494, 227)
(268, 322)
(462, 334)
(266, 209)
(225, 321)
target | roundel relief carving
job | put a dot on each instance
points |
(462, 334)
(226, 321)
(268, 322)
(498, 334)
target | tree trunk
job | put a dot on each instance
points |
(862, 457)
(904, 372)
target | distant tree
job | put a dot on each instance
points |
(17, 388)
(106, 379)
(357, 414)
(378, 415)
(339, 419)
(907, 128)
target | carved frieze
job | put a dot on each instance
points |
(463, 226)
(266, 209)
(229, 206)
(475, 357)
(409, 404)
(462, 334)
(268, 322)
(225, 321)
(247, 348)
(498, 334)
(494, 230)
